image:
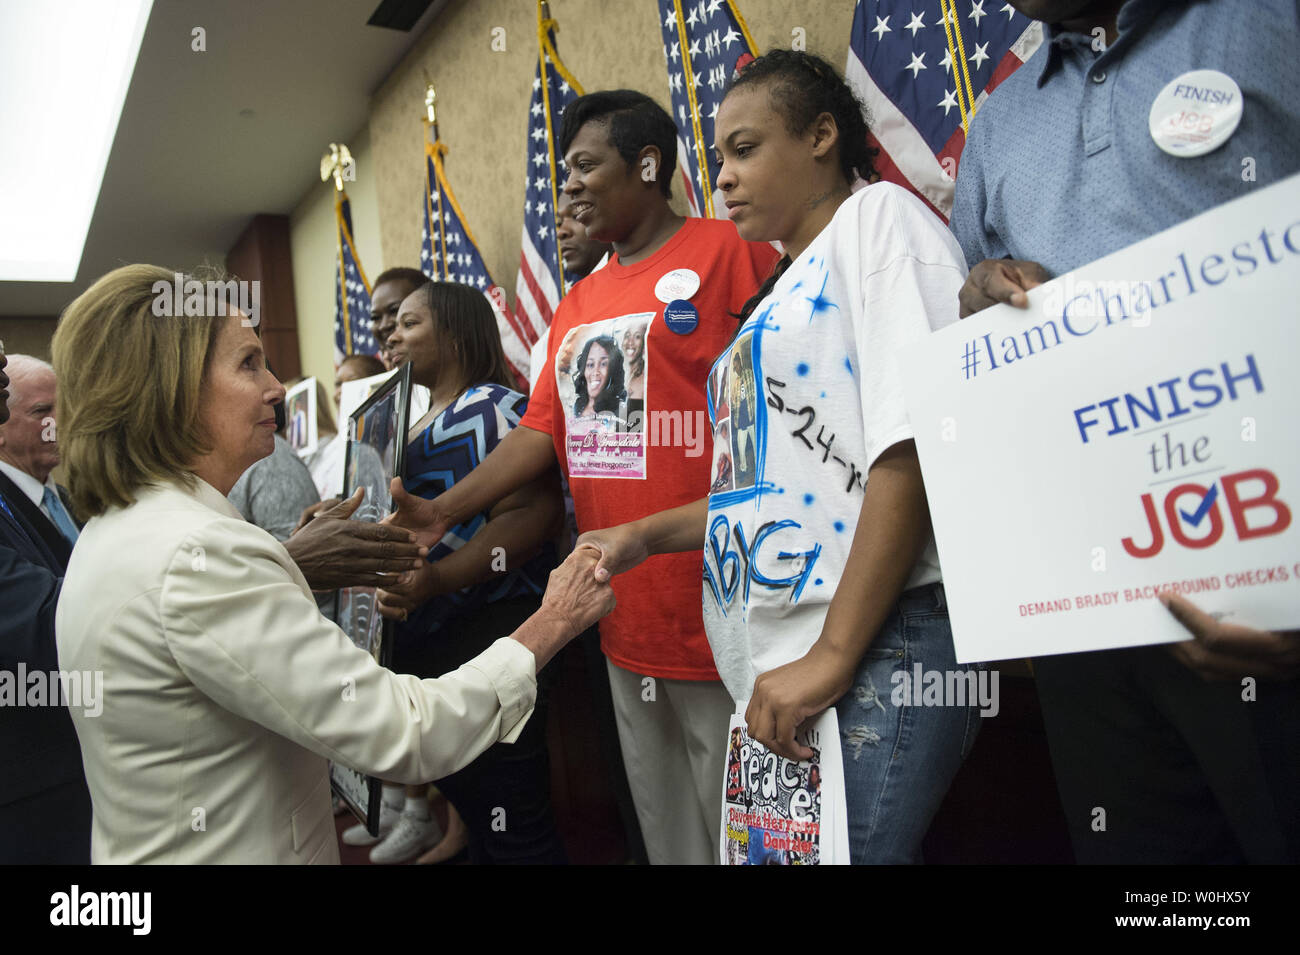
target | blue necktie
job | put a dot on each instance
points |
(59, 515)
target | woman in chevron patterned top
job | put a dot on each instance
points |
(483, 577)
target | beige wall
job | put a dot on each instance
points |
(482, 105)
(28, 336)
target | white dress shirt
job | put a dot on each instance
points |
(225, 691)
(31, 487)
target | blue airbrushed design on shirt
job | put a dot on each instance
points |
(452, 445)
(801, 369)
(819, 302)
(808, 498)
(839, 527)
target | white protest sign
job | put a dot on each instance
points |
(1133, 431)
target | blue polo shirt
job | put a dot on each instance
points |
(1059, 167)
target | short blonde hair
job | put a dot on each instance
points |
(127, 404)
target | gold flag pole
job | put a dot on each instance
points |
(434, 149)
(431, 106)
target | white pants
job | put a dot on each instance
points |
(674, 739)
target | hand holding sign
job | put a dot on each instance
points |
(1126, 437)
(1222, 651)
(1000, 280)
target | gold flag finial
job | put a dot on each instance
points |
(337, 162)
(430, 103)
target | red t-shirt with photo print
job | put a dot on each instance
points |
(627, 456)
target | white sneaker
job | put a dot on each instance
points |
(410, 837)
(358, 835)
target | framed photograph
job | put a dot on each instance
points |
(355, 392)
(376, 453)
(300, 417)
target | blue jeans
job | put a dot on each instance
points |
(900, 760)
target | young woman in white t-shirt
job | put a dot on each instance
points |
(822, 584)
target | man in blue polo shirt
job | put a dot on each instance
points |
(1060, 169)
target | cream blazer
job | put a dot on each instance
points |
(225, 691)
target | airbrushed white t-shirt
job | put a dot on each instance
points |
(803, 402)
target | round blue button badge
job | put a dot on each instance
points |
(681, 317)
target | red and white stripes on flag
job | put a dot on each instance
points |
(541, 281)
(923, 68)
(705, 42)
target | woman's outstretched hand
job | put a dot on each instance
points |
(620, 548)
(333, 551)
(426, 519)
(574, 600)
(574, 594)
(400, 599)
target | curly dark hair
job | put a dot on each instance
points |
(801, 87)
(609, 396)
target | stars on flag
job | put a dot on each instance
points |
(701, 54)
(351, 296)
(893, 42)
(980, 41)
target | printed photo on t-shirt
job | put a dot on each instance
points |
(735, 428)
(601, 371)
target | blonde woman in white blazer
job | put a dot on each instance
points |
(224, 689)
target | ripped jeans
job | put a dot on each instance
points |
(900, 760)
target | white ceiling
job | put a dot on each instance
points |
(187, 171)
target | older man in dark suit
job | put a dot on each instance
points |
(29, 453)
(45, 809)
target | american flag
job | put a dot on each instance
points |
(705, 42)
(351, 291)
(541, 280)
(448, 253)
(923, 68)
